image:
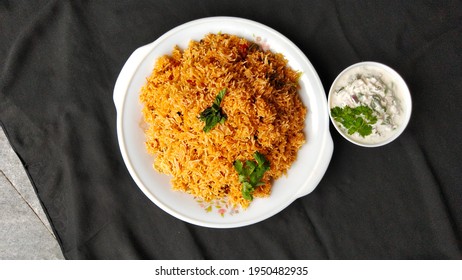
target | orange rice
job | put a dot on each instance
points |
(264, 113)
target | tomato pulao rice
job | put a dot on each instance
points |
(264, 114)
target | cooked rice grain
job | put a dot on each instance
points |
(263, 108)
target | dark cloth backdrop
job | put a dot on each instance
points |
(60, 59)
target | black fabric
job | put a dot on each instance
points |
(59, 62)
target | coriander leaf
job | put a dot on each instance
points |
(211, 121)
(336, 112)
(256, 176)
(247, 191)
(355, 120)
(365, 130)
(251, 173)
(351, 130)
(239, 166)
(259, 158)
(207, 112)
(220, 96)
(250, 167)
(213, 115)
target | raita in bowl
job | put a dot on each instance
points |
(369, 104)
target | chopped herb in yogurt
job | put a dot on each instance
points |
(357, 119)
(366, 106)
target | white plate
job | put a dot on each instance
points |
(303, 176)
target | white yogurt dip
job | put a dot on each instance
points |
(370, 86)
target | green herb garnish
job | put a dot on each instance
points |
(213, 114)
(358, 119)
(251, 173)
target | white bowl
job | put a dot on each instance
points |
(393, 80)
(303, 176)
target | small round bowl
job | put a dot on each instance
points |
(393, 81)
